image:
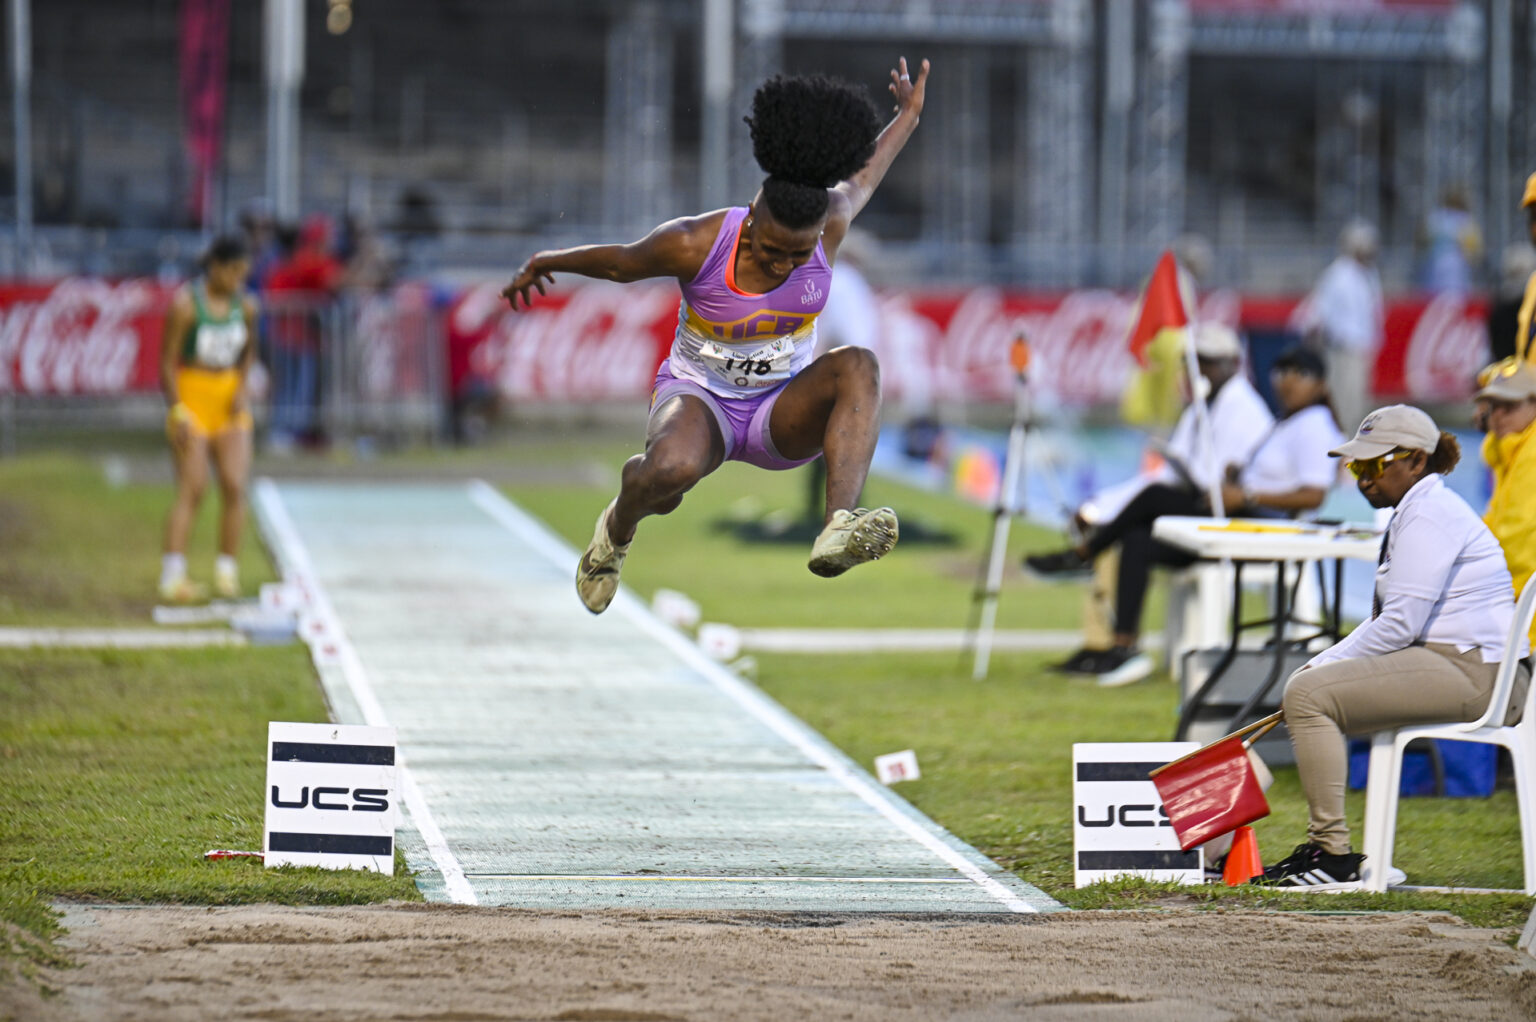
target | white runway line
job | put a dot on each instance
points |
(722, 879)
(538, 537)
(295, 563)
(118, 638)
(907, 640)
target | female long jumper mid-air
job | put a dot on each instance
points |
(740, 383)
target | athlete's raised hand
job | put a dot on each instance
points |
(909, 93)
(528, 277)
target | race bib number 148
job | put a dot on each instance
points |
(761, 367)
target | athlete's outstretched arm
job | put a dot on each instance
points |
(671, 250)
(909, 93)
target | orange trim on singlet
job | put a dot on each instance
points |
(730, 268)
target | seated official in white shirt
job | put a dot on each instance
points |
(1123, 515)
(1291, 472)
(1431, 649)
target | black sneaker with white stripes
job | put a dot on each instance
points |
(1311, 867)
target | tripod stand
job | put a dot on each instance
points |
(985, 596)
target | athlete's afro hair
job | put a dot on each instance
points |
(808, 133)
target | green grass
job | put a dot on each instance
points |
(996, 761)
(762, 585)
(995, 755)
(75, 550)
(117, 770)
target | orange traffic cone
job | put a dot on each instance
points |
(1243, 862)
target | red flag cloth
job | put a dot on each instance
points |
(1161, 307)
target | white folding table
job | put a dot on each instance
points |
(1281, 543)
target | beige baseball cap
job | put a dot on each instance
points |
(1389, 428)
(1216, 340)
(1515, 382)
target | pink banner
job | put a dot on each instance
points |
(204, 56)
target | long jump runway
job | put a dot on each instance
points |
(552, 759)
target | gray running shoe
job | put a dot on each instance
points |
(853, 537)
(597, 573)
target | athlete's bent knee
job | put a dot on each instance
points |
(667, 475)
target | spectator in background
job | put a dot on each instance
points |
(1515, 270)
(260, 230)
(1453, 245)
(362, 253)
(1523, 348)
(1195, 460)
(1343, 317)
(300, 288)
(1508, 344)
(1510, 452)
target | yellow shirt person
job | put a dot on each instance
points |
(1510, 451)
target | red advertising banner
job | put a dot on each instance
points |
(599, 341)
(81, 336)
(596, 341)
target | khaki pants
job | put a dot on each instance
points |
(1430, 684)
(1099, 601)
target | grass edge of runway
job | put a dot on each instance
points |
(119, 769)
(69, 517)
(1016, 809)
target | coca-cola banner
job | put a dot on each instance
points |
(595, 341)
(81, 336)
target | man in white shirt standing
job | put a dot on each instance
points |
(1344, 315)
(1195, 461)
(1431, 649)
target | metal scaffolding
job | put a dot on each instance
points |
(637, 121)
(1157, 193)
(1053, 158)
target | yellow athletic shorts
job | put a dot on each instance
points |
(208, 396)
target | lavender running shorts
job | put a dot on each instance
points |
(743, 421)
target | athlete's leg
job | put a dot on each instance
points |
(832, 406)
(189, 454)
(683, 444)
(232, 462)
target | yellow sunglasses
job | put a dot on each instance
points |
(1502, 368)
(1371, 468)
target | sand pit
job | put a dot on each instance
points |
(411, 962)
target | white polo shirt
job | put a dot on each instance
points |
(1295, 454)
(1443, 580)
(1239, 420)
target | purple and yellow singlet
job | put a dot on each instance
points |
(734, 343)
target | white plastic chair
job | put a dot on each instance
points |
(1383, 785)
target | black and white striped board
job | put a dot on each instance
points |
(332, 796)
(1119, 827)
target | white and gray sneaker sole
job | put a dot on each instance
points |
(1313, 885)
(1137, 668)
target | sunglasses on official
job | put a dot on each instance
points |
(1371, 468)
(1501, 369)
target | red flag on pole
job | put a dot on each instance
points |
(1161, 307)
